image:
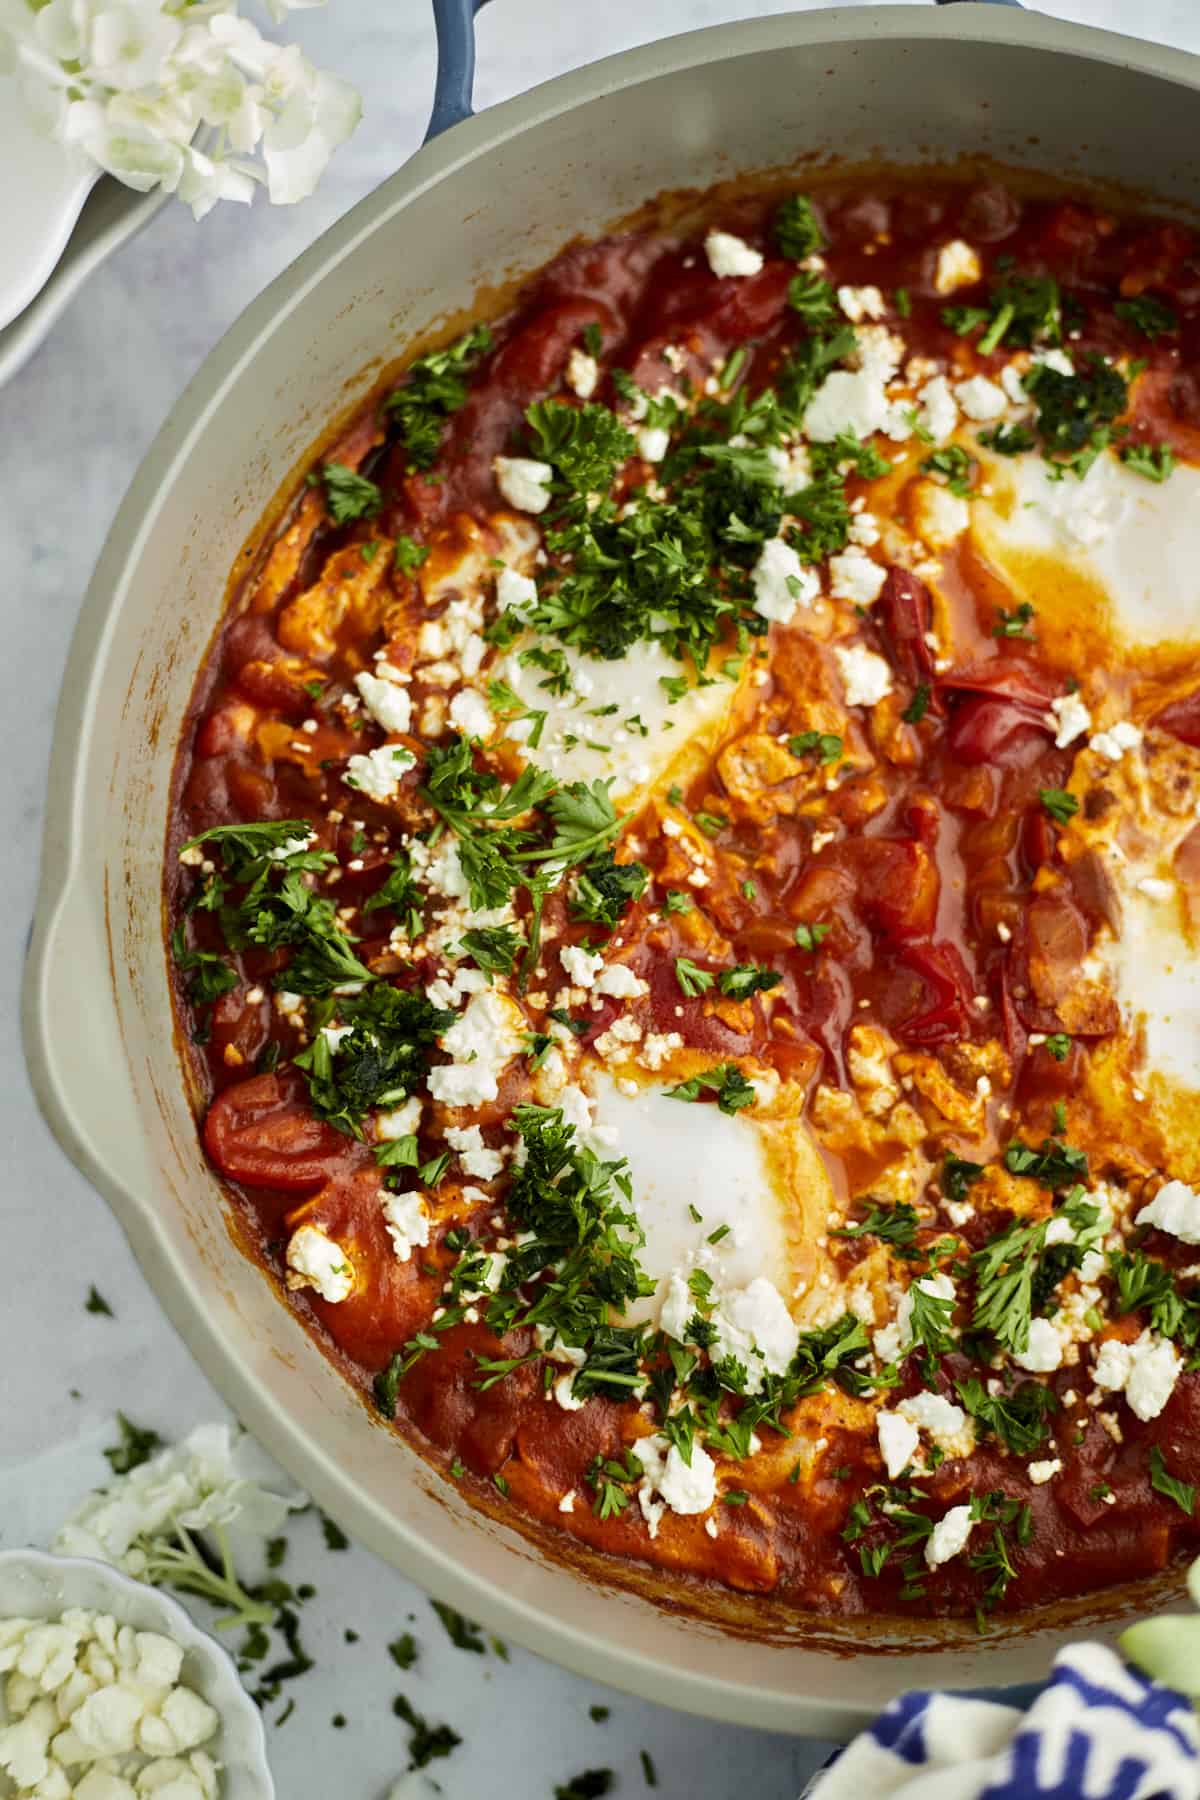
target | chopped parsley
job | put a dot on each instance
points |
(591, 1784)
(692, 980)
(1019, 1418)
(733, 1091)
(1076, 412)
(813, 298)
(586, 445)
(954, 465)
(746, 979)
(403, 1650)
(918, 706)
(1154, 461)
(384, 1058)
(349, 495)
(408, 555)
(138, 1444)
(796, 229)
(1061, 805)
(1014, 622)
(826, 746)
(605, 888)
(1149, 315)
(335, 1537)
(96, 1303)
(462, 1633)
(1183, 1493)
(811, 937)
(896, 1225)
(432, 389)
(426, 1742)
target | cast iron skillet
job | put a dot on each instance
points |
(496, 195)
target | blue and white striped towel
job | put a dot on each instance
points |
(1097, 1731)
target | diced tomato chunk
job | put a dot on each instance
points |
(1182, 719)
(1002, 733)
(944, 973)
(897, 885)
(263, 1132)
(905, 612)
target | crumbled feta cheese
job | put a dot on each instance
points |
(387, 702)
(939, 409)
(940, 516)
(958, 266)
(1071, 719)
(1175, 1209)
(864, 528)
(523, 482)
(516, 593)
(619, 982)
(580, 966)
(1044, 1350)
(400, 1121)
(980, 398)
(855, 576)
(99, 1691)
(1058, 360)
(481, 1040)
(782, 582)
(944, 1423)
(865, 676)
(1146, 1370)
(754, 1325)
(898, 1440)
(949, 1536)
(653, 442)
(791, 465)
(583, 372)
(1113, 743)
(407, 1222)
(878, 352)
(316, 1261)
(473, 1153)
(861, 303)
(848, 400)
(377, 774)
(471, 714)
(670, 1483)
(730, 255)
(1042, 1472)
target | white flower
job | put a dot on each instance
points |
(134, 152)
(131, 84)
(204, 182)
(128, 44)
(213, 1478)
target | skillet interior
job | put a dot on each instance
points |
(499, 195)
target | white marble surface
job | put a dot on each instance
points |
(73, 427)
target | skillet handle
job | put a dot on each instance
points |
(454, 21)
(455, 24)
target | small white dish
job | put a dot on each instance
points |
(111, 215)
(36, 1585)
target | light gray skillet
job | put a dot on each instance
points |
(494, 193)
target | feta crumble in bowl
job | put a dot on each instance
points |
(168, 1680)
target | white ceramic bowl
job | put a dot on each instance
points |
(36, 1585)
